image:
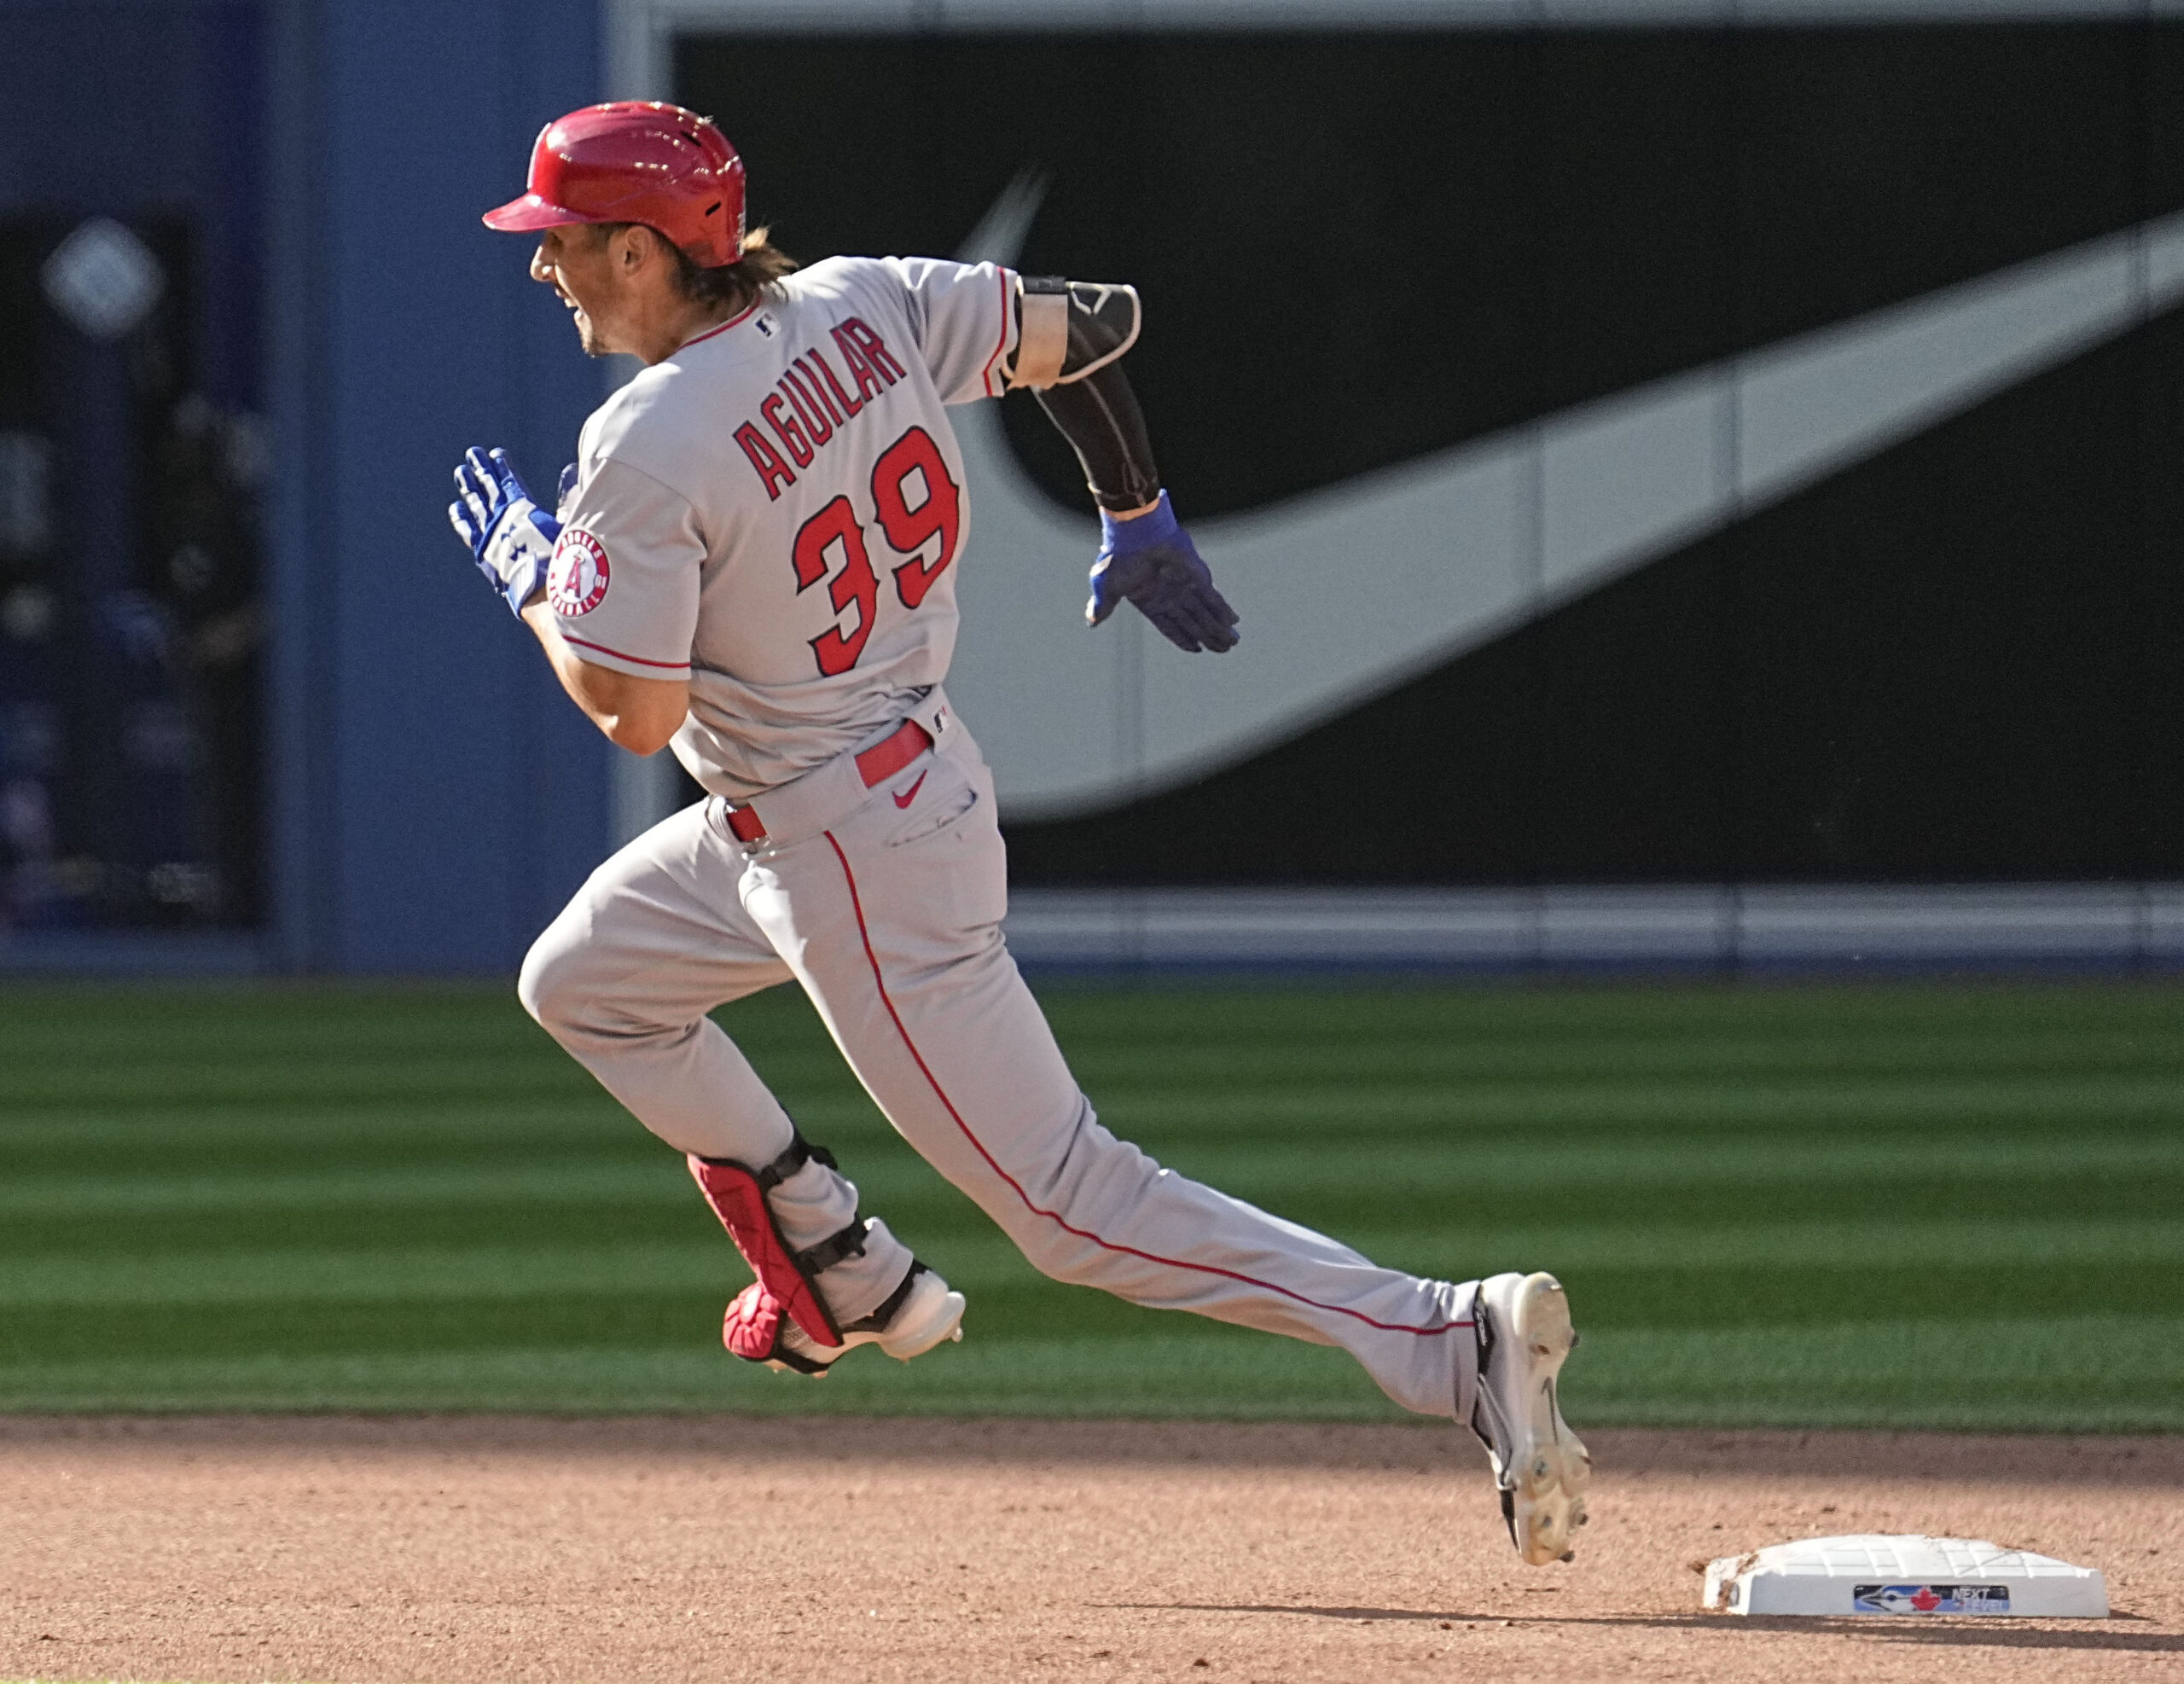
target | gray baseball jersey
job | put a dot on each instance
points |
(774, 512)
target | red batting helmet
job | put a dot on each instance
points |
(635, 161)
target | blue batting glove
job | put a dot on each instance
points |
(1151, 562)
(511, 538)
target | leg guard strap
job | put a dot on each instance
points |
(794, 1156)
(877, 1321)
(848, 1243)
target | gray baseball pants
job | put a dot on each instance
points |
(885, 904)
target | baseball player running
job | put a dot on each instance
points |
(751, 561)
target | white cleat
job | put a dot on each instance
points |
(1540, 1466)
(922, 1313)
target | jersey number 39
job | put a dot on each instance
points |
(910, 531)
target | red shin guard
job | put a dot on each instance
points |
(738, 1196)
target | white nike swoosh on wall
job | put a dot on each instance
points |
(1349, 591)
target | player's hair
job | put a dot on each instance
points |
(736, 284)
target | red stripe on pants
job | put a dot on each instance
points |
(857, 905)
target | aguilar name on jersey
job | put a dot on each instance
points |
(774, 512)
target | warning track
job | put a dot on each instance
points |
(466, 1550)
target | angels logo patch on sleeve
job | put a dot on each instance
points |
(576, 581)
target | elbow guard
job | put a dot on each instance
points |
(1067, 329)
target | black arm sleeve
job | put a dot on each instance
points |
(1100, 417)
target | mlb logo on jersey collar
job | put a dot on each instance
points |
(766, 324)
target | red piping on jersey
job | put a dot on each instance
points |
(676, 666)
(732, 321)
(857, 905)
(1003, 343)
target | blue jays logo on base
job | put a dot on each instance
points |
(1931, 1599)
(576, 581)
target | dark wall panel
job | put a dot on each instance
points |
(1946, 662)
(1956, 662)
(1875, 165)
(1358, 249)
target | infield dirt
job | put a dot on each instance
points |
(460, 1550)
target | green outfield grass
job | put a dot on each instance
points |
(1912, 1205)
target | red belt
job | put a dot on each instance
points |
(875, 765)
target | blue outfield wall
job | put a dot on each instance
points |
(436, 800)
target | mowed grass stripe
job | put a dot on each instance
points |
(1694, 1105)
(2114, 1372)
(387, 1033)
(333, 1276)
(344, 1138)
(511, 1181)
(1247, 1101)
(2046, 1373)
(1011, 1302)
(240, 1072)
(1469, 1172)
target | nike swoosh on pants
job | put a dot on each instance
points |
(1350, 590)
